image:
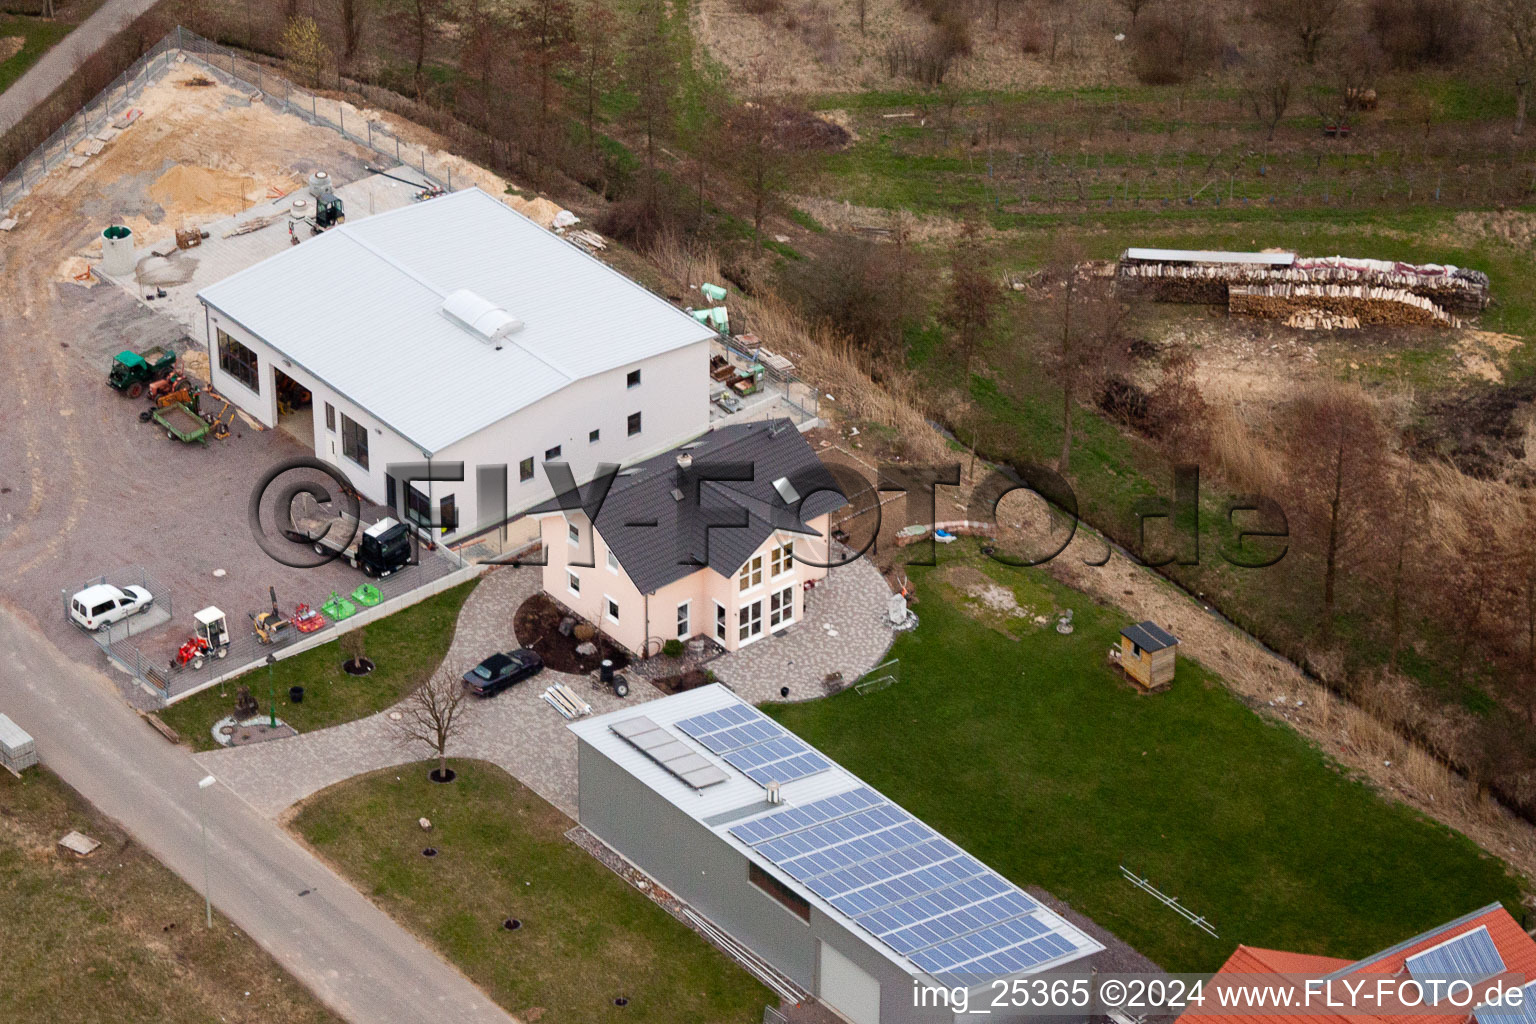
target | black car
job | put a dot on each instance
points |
(500, 671)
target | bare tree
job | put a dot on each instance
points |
(547, 31)
(761, 162)
(594, 65)
(972, 299)
(430, 715)
(1337, 447)
(1308, 22)
(1133, 7)
(418, 22)
(1403, 523)
(1267, 88)
(351, 29)
(1515, 21)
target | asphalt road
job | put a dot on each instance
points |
(55, 66)
(348, 952)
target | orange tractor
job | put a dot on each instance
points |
(209, 639)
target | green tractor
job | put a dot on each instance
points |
(133, 371)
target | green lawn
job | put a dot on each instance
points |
(587, 937)
(406, 646)
(39, 36)
(1034, 756)
(115, 938)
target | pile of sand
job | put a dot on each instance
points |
(187, 190)
(539, 210)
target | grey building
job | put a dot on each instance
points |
(803, 863)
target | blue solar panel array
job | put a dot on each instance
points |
(753, 745)
(1525, 1013)
(1471, 955)
(907, 885)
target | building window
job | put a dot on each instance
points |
(525, 470)
(683, 630)
(551, 454)
(593, 435)
(239, 362)
(781, 608)
(781, 559)
(779, 892)
(751, 573)
(573, 582)
(418, 507)
(633, 381)
(612, 608)
(613, 561)
(634, 424)
(720, 622)
(573, 533)
(749, 621)
(330, 416)
(354, 440)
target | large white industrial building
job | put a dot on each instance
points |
(457, 330)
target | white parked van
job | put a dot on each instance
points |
(100, 606)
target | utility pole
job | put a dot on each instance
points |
(202, 817)
(272, 688)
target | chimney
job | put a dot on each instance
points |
(773, 792)
(684, 460)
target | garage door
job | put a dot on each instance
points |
(847, 989)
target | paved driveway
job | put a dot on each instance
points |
(524, 735)
(515, 729)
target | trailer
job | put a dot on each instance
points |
(181, 423)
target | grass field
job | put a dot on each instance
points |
(1024, 747)
(115, 938)
(406, 646)
(37, 37)
(587, 937)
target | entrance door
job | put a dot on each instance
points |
(847, 988)
(749, 622)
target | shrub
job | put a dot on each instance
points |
(1419, 33)
(1171, 47)
(672, 648)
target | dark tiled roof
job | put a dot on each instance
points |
(660, 534)
(1149, 636)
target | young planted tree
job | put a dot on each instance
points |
(430, 715)
(1398, 568)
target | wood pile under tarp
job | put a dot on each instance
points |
(1449, 288)
(1353, 304)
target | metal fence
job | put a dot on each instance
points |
(89, 120)
(152, 680)
(279, 93)
(224, 65)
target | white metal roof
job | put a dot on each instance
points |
(361, 307)
(1274, 259)
(713, 806)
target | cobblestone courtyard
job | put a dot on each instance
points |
(521, 733)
